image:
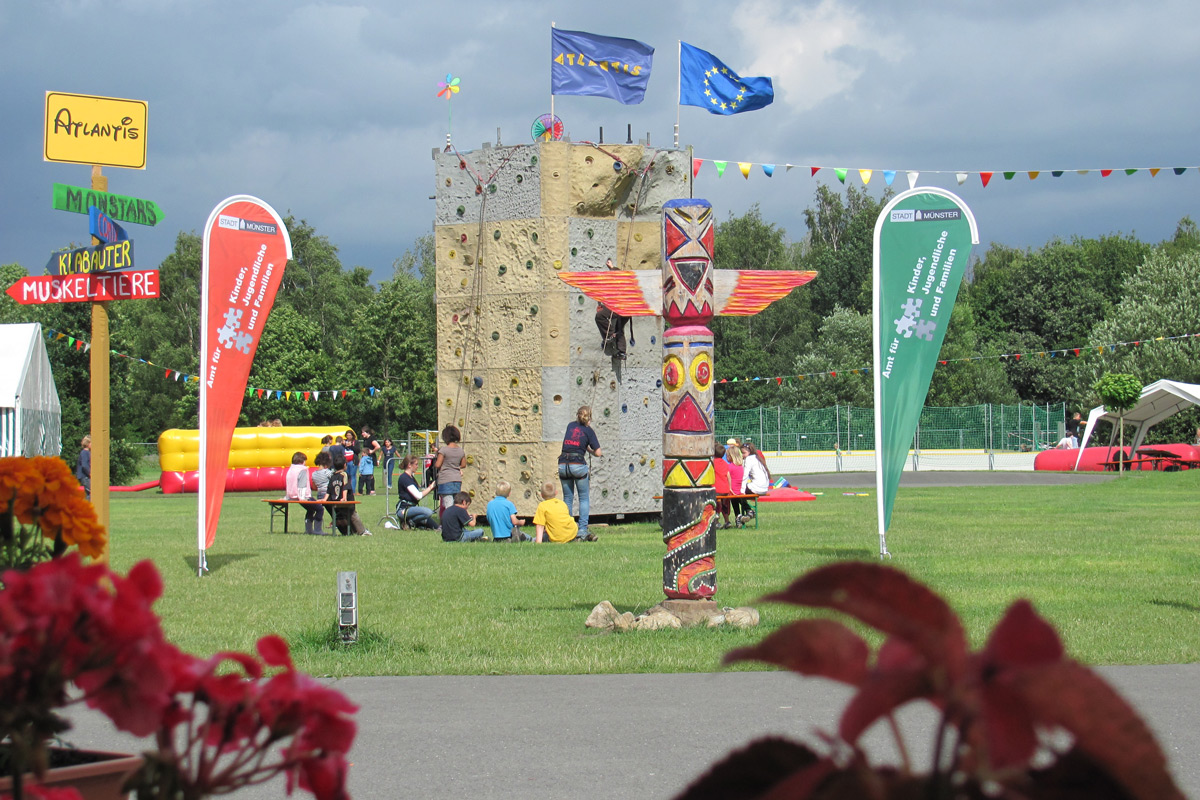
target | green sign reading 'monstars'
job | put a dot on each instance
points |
(923, 242)
(116, 206)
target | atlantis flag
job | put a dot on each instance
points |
(704, 81)
(246, 248)
(599, 66)
(923, 241)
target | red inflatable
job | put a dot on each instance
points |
(242, 479)
(786, 495)
(1094, 457)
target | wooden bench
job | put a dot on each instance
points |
(282, 505)
(750, 498)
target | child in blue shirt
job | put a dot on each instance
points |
(502, 516)
(366, 474)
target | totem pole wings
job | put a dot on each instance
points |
(736, 293)
(688, 293)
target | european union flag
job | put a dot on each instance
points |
(599, 66)
(706, 82)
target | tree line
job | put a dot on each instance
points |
(332, 328)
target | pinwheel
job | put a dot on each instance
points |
(448, 88)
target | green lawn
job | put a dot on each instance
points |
(1115, 566)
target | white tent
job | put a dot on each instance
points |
(30, 416)
(1159, 400)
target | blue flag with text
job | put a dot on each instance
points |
(706, 82)
(599, 66)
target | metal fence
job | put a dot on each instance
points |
(988, 427)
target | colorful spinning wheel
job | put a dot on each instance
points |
(548, 128)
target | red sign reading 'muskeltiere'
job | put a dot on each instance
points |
(96, 287)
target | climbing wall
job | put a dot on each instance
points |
(518, 350)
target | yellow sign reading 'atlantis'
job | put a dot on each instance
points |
(84, 129)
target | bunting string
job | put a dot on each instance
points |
(912, 175)
(181, 376)
(309, 395)
(1067, 352)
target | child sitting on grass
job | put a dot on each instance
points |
(502, 516)
(552, 520)
(456, 522)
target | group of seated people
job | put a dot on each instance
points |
(331, 483)
(740, 468)
(552, 520)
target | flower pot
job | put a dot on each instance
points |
(94, 774)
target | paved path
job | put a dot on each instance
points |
(611, 737)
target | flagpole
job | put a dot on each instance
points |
(678, 87)
(552, 27)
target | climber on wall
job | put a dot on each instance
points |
(611, 326)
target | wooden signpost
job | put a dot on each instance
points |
(100, 131)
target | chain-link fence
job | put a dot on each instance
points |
(988, 427)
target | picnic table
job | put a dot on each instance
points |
(282, 505)
(750, 498)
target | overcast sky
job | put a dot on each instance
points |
(329, 110)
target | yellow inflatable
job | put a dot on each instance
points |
(258, 457)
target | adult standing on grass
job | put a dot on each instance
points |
(387, 452)
(573, 471)
(83, 466)
(448, 466)
(370, 444)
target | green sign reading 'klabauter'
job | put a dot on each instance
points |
(116, 206)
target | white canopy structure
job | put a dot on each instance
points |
(30, 416)
(1159, 400)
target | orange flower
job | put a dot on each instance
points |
(19, 477)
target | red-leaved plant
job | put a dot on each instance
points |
(1002, 708)
(73, 633)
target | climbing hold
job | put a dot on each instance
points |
(470, 460)
(503, 269)
(520, 178)
(463, 238)
(458, 351)
(454, 318)
(524, 459)
(453, 253)
(492, 188)
(588, 160)
(528, 265)
(558, 263)
(466, 380)
(631, 467)
(478, 381)
(514, 383)
(558, 399)
(624, 408)
(517, 428)
(462, 164)
(533, 160)
(495, 336)
(464, 283)
(535, 408)
(478, 189)
(653, 339)
(574, 251)
(479, 404)
(533, 237)
(496, 235)
(533, 309)
(604, 492)
(503, 449)
(520, 327)
(626, 494)
(616, 166)
(449, 402)
(607, 411)
(579, 381)
(495, 401)
(637, 237)
(589, 233)
(460, 210)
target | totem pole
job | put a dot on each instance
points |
(688, 294)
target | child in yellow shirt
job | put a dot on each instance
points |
(552, 520)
